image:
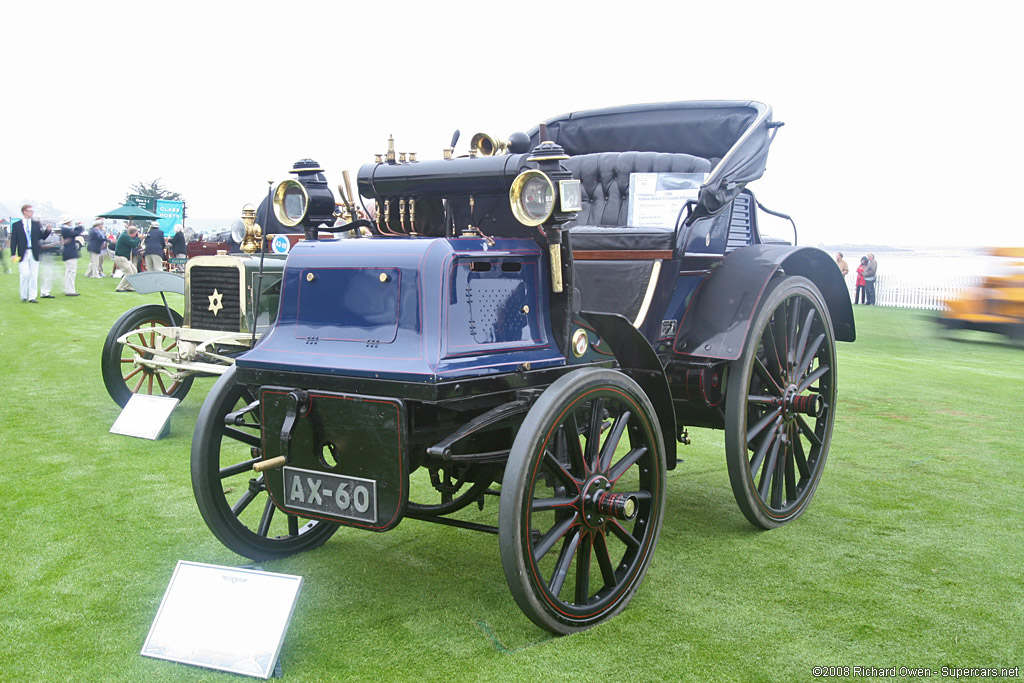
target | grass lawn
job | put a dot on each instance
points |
(911, 553)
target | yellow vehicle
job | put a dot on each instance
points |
(996, 304)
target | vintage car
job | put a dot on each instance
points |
(540, 320)
(996, 304)
(153, 349)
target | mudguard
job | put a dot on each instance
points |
(715, 323)
(149, 281)
(638, 360)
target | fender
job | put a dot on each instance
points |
(715, 323)
(637, 359)
(150, 281)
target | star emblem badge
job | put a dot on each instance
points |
(216, 302)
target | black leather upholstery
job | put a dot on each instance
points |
(605, 180)
(604, 238)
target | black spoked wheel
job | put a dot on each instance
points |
(232, 498)
(780, 404)
(122, 376)
(582, 500)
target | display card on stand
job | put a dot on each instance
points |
(225, 618)
(145, 416)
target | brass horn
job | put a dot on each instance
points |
(485, 146)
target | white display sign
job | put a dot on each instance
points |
(145, 416)
(655, 199)
(223, 618)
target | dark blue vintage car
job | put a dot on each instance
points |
(539, 320)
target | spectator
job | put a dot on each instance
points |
(870, 272)
(5, 234)
(71, 241)
(96, 246)
(155, 245)
(50, 248)
(843, 267)
(860, 296)
(126, 242)
(26, 250)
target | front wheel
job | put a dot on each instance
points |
(582, 500)
(232, 498)
(122, 376)
(780, 403)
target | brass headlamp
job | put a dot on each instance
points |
(253, 233)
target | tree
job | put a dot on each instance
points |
(152, 189)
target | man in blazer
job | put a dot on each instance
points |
(26, 238)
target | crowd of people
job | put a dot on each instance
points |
(867, 269)
(35, 247)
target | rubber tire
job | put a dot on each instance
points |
(536, 428)
(209, 492)
(133, 319)
(736, 405)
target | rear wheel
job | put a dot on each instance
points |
(780, 404)
(582, 500)
(122, 375)
(232, 498)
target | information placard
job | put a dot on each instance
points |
(145, 416)
(655, 199)
(225, 618)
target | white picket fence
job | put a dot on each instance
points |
(905, 292)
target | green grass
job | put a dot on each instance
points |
(910, 554)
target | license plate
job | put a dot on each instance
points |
(335, 495)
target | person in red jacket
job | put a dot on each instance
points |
(861, 295)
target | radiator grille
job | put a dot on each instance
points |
(203, 282)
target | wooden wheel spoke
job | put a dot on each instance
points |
(232, 470)
(564, 562)
(762, 450)
(798, 456)
(244, 501)
(160, 381)
(248, 439)
(627, 461)
(542, 504)
(779, 474)
(771, 355)
(805, 333)
(131, 374)
(771, 383)
(570, 428)
(622, 534)
(768, 473)
(139, 385)
(808, 432)
(812, 378)
(548, 540)
(789, 469)
(594, 433)
(808, 357)
(554, 467)
(293, 525)
(268, 515)
(768, 418)
(611, 442)
(604, 560)
(791, 332)
(583, 570)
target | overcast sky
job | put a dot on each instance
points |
(902, 118)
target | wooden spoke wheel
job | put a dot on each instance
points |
(582, 500)
(122, 375)
(780, 403)
(232, 498)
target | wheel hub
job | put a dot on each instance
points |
(794, 403)
(600, 504)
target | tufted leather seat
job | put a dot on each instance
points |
(605, 180)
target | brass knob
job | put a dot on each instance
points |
(384, 277)
(310, 277)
